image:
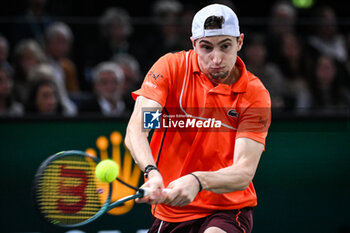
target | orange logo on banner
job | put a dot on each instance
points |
(129, 172)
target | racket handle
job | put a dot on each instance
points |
(146, 191)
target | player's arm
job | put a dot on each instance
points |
(233, 178)
(136, 140)
(238, 176)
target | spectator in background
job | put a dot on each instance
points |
(33, 23)
(47, 72)
(108, 80)
(185, 26)
(167, 36)
(255, 54)
(27, 55)
(133, 77)
(295, 65)
(4, 52)
(328, 93)
(115, 30)
(347, 64)
(8, 106)
(282, 21)
(58, 42)
(167, 14)
(326, 38)
(43, 98)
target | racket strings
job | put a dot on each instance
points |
(67, 190)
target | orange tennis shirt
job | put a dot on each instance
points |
(243, 109)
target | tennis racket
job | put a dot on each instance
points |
(67, 193)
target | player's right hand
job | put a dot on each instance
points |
(156, 186)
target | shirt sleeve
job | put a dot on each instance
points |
(157, 82)
(255, 120)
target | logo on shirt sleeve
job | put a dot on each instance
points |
(154, 75)
(151, 119)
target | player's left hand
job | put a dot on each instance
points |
(182, 191)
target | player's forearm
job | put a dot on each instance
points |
(240, 174)
(136, 138)
(137, 142)
(225, 180)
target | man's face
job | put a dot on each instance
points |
(46, 99)
(217, 56)
(107, 86)
(58, 46)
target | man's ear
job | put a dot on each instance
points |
(194, 44)
(240, 41)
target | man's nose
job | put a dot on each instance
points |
(217, 57)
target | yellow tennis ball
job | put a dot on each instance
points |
(107, 170)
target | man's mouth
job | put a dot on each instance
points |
(217, 68)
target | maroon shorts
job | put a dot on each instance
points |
(231, 221)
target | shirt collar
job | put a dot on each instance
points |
(194, 62)
(239, 86)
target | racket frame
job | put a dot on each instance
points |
(105, 207)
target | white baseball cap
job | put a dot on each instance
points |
(230, 26)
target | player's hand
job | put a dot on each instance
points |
(182, 191)
(156, 186)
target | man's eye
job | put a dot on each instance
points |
(225, 46)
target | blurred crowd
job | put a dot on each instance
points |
(306, 69)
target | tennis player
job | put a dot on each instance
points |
(209, 171)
